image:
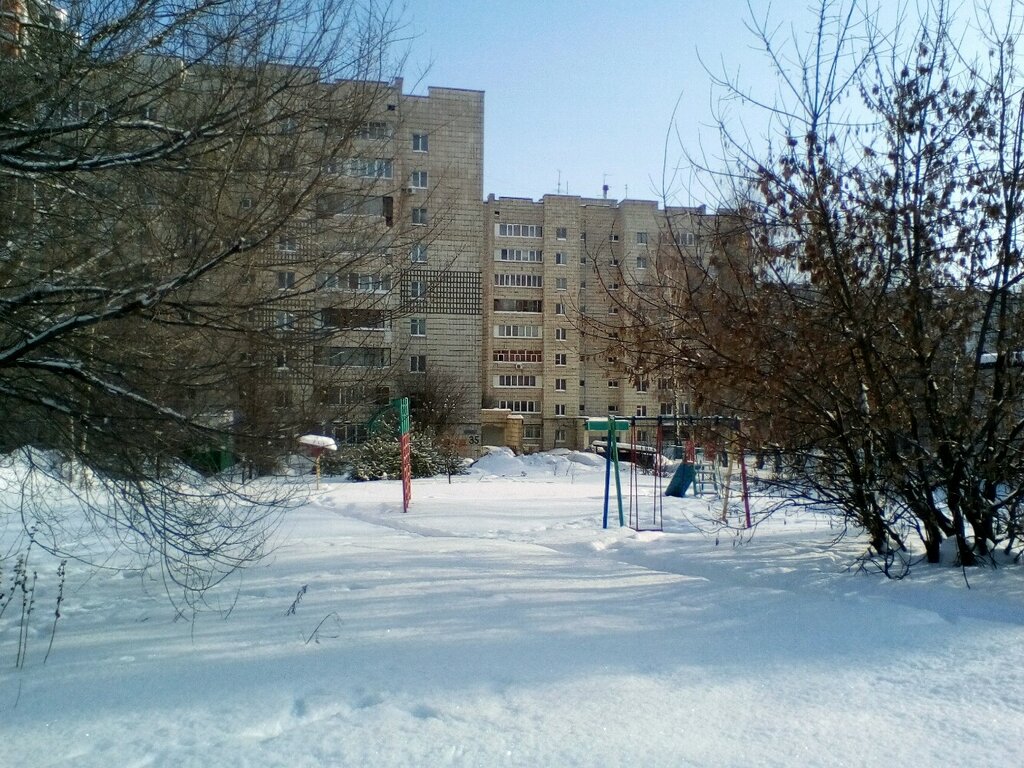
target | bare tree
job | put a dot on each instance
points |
(875, 329)
(177, 185)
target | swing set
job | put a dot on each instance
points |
(693, 472)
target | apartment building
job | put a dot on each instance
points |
(390, 304)
(560, 277)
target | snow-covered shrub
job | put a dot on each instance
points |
(380, 458)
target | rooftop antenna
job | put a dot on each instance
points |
(559, 181)
(604, 186)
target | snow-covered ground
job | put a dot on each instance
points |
(498, 624)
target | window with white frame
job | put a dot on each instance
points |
(517, 331)
(361, 357)
(561, 385)
(287, 244)
(420, 142)
(418, 326)
(516, 380)
(613, 408)
(641, 262)
(284, 321)
(613, 238)
(418, 180)
(419, 216)
(667, 409)
(641, 238)
(561, 283)
(613, 383)
(641, 410)
(561, 233)
(369, 168)
(519, 280)
(417, 289)
(518, 356)
(560, 433)
(368, 283)
(417, 364)
(614, 262)
(560, 409)
(642, 386)
(519, 406)
(285, 281)
(561, 358)
(561, 334)
(374, 130)
(518, 305)
(613, 310)
(519, 254)
(561, 259)
(418, 254)
(532, 431)
(520, 230)
(685, 238)
(559, 309)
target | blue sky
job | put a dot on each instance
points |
(581, 94)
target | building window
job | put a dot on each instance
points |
(363, 357)
(281, 360)
(518, 331)
(417, 289)
(561, 233)
(356, 282)
(642, 386)
(519, 406)
(560, 433)
(685, 238)
(561, 358)
(418, 326)
(560, 258)
(284, 321)
(532, 431)
(583, 408)
(518, 254)
(520, 230)
(561, 283)
(641, 410)
(613, 408)
(641, 262)
(418, 180)
(583, 260)
(667, 409)
(518, 305)
(559, 309)
(518, 356)
(641, 238)
(516, 380)
(246, 203)
(613, 383)
(613, 310)
(519, 281)
(417, 364)
(560, 385)
(363, 167)
(418, 254)
(560, 409)
(614, 262)
(419, 216)
(420, 142)
(374, 131)
(613, 238)
(561, 334)
(583, 237)
(287, 244)
(285, 281)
